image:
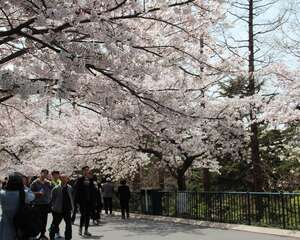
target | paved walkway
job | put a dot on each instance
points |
(112, 228)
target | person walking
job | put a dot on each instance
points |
(73, 183)
(28, 193)
(41, 187)
(62, 206)
(11, 199)
(124, 196)
(85, 197)
(96, 215)
(55, 181)
(107, 192)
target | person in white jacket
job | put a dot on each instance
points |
(107, 193)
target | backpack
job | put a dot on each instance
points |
(27, 222)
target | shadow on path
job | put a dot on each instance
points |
(113, 228)
(147, 229)
(141, 227)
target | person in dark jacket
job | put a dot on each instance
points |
(62, 206)
(73, 183)
(96, 215)
(85, 197)
(124, 196)
(55, 180)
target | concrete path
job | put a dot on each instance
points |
(112, 228)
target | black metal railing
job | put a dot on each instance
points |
(280, 210)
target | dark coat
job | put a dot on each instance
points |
(57, 198)
(80, 194)
(124, 193)
(98, 196)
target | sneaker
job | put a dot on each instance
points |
(87, 234)
(57, 236)
(80, 231)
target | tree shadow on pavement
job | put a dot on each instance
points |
(142, 227)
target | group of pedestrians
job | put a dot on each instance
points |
(22, 199)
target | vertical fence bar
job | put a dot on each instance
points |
(169, 204)
(249, 208)
(283, 210)
(197, 206)
(268, 214)
(221, 208)
(176, 203)
(298, 211)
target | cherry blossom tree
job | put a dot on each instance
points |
(126, 81)
(75, 46)
(178, 143)
(93, 53)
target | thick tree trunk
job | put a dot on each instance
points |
(137, 185)
(161, 178)
(255, 158)
(258, 176)
(181, 182)
(206, 180)
(258, 179)
(207, 198)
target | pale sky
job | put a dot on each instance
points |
(239, 30)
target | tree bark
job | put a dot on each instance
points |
(181, 182)
(206, 180)
(161, 176)
(255, 157)
(258, 178)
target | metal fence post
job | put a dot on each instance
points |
(176, 199)
(283, 210)
(221, 208)
(248, 208)
(197, 205)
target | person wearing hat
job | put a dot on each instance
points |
(107, 193)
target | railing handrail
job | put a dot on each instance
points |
(224, 192)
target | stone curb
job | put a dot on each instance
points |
(225, 226)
